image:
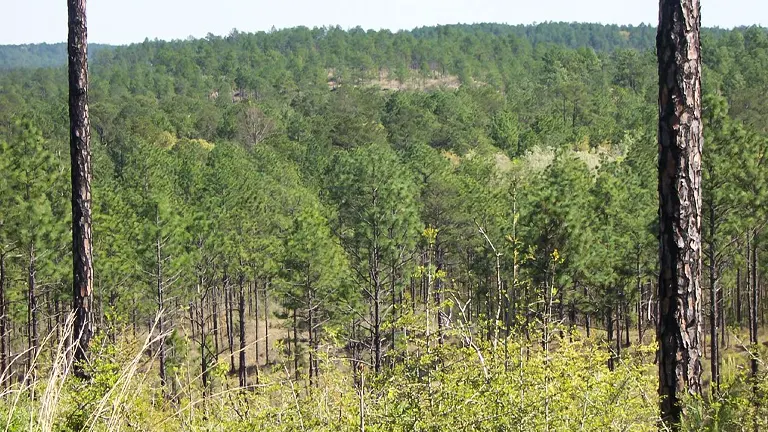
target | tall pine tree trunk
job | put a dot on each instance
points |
(627, 324)
(713, 312)
(311, 324)
(32, 304)
(48, 311)
(738, 297)
(160, 302)
(587, 319)
(192, 326)
(315, 350)
(618, 333)
(204, 350)
(680, 141)
(266, 323)
(80, 154)
(721, 316)
(753, 305)
(241, 315)
(214, 306)
(228, 306)
(296, 372)
(57, 315)
(377, 285)
(641, 295)
(3, 326)
(134, 317)
(393, 291)
(256, 324)
(609, 334)
(442, 316)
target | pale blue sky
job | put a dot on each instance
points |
(125, 21)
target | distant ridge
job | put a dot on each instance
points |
(30, 56)
(600, 37)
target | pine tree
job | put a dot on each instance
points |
(80, 154)
(315, 275)
(680, 142)
(376, 223)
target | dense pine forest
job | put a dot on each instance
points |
(449, 228)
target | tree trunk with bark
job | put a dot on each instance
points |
(242, 375)
(609, 335)
(160, 303)
(680, 142)
(618, 333)
(312, 347)
(204, 350)
(3, 326)
(266, 323)
(393, 291)
(714, 358)
(738, 297)
(228, 306)
(296, 372)
(213, 301)
(80, 154)
(32, 305)
(753, 305)
(256, 324)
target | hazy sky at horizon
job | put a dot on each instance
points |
(126, 21)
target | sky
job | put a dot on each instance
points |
(127, 21)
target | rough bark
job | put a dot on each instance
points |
(80, 154)
(680, 142)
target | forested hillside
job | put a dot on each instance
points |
(453, 228)
(571, 35)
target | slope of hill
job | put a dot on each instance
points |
(423, 211)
